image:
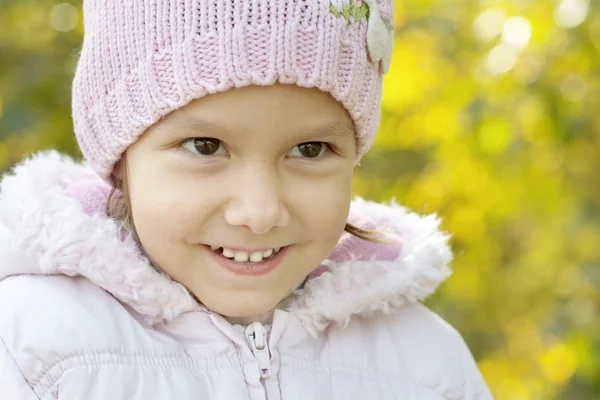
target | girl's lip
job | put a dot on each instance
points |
(249, 268)
(247, 250)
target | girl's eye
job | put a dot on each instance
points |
(309, 150)
(205, 146)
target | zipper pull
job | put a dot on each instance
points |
(257, 337)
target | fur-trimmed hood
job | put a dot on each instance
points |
(52, 222)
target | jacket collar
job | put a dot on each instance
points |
(52, 222)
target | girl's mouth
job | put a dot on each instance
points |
(243, 256)
(255, 263)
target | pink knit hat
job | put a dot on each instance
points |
(142, 59)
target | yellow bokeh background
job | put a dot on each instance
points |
(490, 119)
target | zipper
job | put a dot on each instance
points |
(256, 334)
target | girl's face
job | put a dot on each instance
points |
(244, 171)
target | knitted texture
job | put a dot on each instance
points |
(142, 59)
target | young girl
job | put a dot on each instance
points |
(208, 248)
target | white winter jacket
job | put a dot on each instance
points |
(84, 316)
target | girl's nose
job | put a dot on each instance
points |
(257, 203)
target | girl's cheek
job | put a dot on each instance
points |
(325, 201)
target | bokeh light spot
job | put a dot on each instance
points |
(571, 13)
(558, 363)
(501, 59)
(573, 88)
(517, 32)
(488, 25)
(64, 17)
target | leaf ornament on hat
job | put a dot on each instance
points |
(380, 32)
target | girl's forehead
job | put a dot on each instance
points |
(290, 99)
(279, 108)
(321, 128)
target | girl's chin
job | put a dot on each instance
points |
(246, 307)
(251, 307)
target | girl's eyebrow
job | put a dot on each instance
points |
(335, 129)
(193, 124)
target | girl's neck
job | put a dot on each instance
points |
(265, 318)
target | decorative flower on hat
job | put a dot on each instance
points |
(380, 33)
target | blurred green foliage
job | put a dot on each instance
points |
(490, 120)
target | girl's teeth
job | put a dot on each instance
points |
(266, 253)
(241, 256)
(228, 253)
(257, 256)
